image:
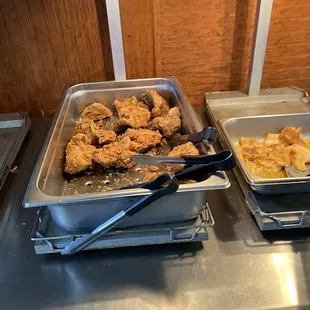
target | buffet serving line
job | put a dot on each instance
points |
(223, 239)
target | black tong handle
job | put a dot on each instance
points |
(163, 185)
(207, 134)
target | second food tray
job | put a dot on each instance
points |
(257, 127)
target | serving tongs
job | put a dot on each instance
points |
(163, 185)
(208, 134)
(223, 160)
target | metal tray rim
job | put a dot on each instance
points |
(241, 164)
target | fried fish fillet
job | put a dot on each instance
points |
(299, 155)
(160, 104)
(252, 149)
(131, 113)
(169, 124)
(116, 154)
(79, 154)
(292, 135)
(278, 154)
(96, 111)
(142, 139)
(274, 138)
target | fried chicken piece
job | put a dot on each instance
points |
(169, 124)
(299, 155)
(151, 176)
(277, 153)
(251, 149)
(116, 154)
(104, 136)
(160, 104)
(79, 154)
(83, 127)
(94, 132)
(142, 139)
(187, 149)
(97, 111)
(292, 135)
(131, 113)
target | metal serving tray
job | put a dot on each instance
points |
(270, 212)
(13, 129)
(257, 127)
(49, 238)
(86, 211)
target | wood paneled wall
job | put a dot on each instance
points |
(207, 43)
(45, 45)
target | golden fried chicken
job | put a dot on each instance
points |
(292, 135)
(79, 154)
(169, 124)
(160, 104)
(97, 111)
(131, 113)
(150, 176)
(83, 127)
(187, 149)
(142, 139)
(94, 132)
(116, 154)
(104, 136)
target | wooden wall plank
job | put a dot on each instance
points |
(138, 37)
(45, 45)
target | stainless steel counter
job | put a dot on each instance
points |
(238, 268)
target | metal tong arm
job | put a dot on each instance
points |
(207, 134)
(161, 186)
(191, 160)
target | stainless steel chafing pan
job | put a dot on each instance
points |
(86, 210)
(257, 127)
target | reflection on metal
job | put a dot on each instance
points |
(116, 39)
(261, 29)
(287, 277)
